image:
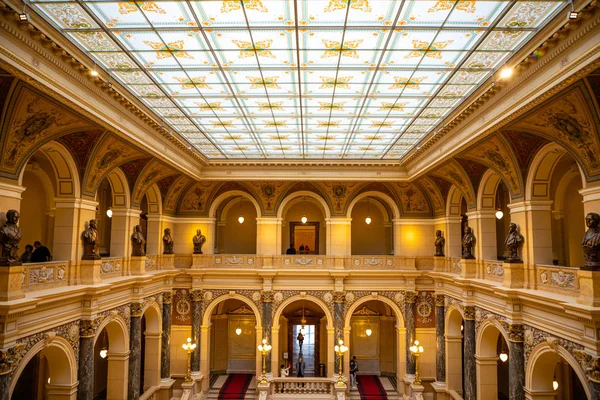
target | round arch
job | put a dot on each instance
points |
(121, 195)
(379, 195)
(298, 297)
(118, 333)
(233, 193)
(486, 193)
(152, 312)
(61, 360)
(538, 375)
(561, 188)
(485, 341)
(384, 300)
(154, 200)
(301, 194)
(454, 201)
(211, 307)
(453, 320)
(486, 353)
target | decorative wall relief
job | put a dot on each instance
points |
(558, 278)
(132, 169)
(182, 307)
(80, 145)
(152, 172)
(268, 193)
(412, 199)
(455, 174)
(174, 193)
(434, 194)
(195, 198)
(68, 331)
(425, 305)
(533, 336)
(338, 193)
(494, 269)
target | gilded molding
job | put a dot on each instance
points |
(167, 297)
(137, 309)
(10, 358)
(197, 295)
(469, 313)
(440, 300)
(410, 297)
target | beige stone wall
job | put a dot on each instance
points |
(373, 238)
(179, 335)
(314, 214)
(34, 222)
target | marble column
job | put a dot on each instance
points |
(469, 367)
(440, 340)
(410, 308)
(135, 351)
(267, 321)
(165, 348)
(516, 364)
(595, 389)
(338, 323)
(197, 296)
(10, 358)
(87, 332)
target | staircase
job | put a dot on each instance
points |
(218, 382)
(390, 389)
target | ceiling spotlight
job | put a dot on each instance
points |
(506, 73)
(24, 17)
(94, 72)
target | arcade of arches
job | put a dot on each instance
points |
(74, 148)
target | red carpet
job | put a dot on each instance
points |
(370, 388)
(235, 387)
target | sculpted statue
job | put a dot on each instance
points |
(89, 237)
(468, 242)
(167, 242)
(198, 241)
(513, 241)
(10, 236)
(137, 242)
(439, 243)
(300, 339)
(591, 241)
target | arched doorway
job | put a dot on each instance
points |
(372, 227)
(454, 350)
(233, 236)
(111, 355)
(151, 347)
(48, 370)
(294, 210)
(492, 359)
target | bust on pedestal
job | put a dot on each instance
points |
(168, 242)
(198, 241)
(513, 241)
(137, 242)
(468, 242)
(88, 238)
(591, 242)
(10, 236)
(440, 241)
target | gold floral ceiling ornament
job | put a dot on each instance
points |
(468, 6)
(431, 51)
(266, 106)
(348, 49)
(325, 106)
(326, 124)
(384, 124)
(391, 106)
(247, 50)
(215, 106)
(224, 124)
(162, 50)
(198, 82)
(282, 123)
(258, 82)
(329, 82)
(233, 5)
(131, 7)
(362, 5)
(411, 83)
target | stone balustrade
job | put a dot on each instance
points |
(313, 388)
(552, 278)
(42, 276)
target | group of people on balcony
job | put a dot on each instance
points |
(36, 254)
(303, 249)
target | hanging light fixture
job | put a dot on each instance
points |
(304, 219)
(241, 217)
(109, 213)
(238, 330)
(503, 355)
(499, 214)
(303, 321)
(104, 350)
(368, 219)
(23, 17)
(368, 331)
(555, 384)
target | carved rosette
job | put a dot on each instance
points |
(88, 327)
(410, 297)
(10, 358)
(440, 300)
(339, 296)
(197, 295)
(137, 309)
(515, 332)
(268, 296)
(167, 297)
(469, 313)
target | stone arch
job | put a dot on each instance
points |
(452, 317)
(118, 333)
(307, 297)
(541, 170)
(453, 340)
(486, 344)
(387, 199)
(121, 195)
(152, 312)
(154, 200)
(385, 300)
(213, 304)
(301, 194)
(454, 201)
(118, 355)
(484, 335)
(61, 359)
(539, 374)
(212, 213)
(486, 193)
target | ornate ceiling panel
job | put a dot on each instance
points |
(296, 79)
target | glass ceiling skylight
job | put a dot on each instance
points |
(293, 79)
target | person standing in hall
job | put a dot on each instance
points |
(353, 371)
(285, 372)
(41, 253)
(300, 367)
(26, 257)
(301, 248)
(291, 250)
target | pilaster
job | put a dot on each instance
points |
(165, 349)
(516, 366)
(197, 295)
(339, 238)
(69, 220)
(10, 196)
(440, 343)
(268, 236)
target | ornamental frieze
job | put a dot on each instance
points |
(10, 358)
(124, 311)
(68, 331)
(533, 337)
(397, 297)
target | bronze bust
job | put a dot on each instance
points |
(513, 241)
(198, 241)
(137, 242)
(591, 241)
(440, 241)
(89, 237)
(168, 242)
(10, 236)
(468, 242)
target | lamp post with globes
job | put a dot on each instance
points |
(416, 350)
(264, 349)
(189, 347)
(340, 349)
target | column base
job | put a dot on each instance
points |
(137, 265)
(589, 287)
(90, 272)
(469, 268)
(11, 279)
(167, 261)
(514, 275)
(439, 263)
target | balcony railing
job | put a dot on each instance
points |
(310, 388)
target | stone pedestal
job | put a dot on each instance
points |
(263, 391)
(440, 390)
(166, 389)
(416, 391)
(137, 265)
(11, 279)
(61, 392)
(439, 263)
(340, 392)
(469, 268)
(90, 272)
(514, 275)
(589, 288)
(167, 261)
(199, 260)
